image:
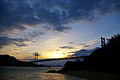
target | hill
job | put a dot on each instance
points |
(6, 60)
(104, 59)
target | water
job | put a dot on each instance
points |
(33, 73)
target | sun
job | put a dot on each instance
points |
(57, 55)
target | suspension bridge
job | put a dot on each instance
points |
(92, 43)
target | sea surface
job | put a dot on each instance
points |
(33, 73)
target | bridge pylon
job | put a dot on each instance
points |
(36, 55)
(102, 42)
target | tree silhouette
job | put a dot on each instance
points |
(114, 42)
(103, 59)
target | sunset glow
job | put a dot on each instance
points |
(57, 55)
(41, 38)
(55, 29)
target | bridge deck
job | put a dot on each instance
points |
(53, 59)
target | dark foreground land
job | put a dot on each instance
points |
(92, 75)
(103, 63)
(6, 60)
(105, 59)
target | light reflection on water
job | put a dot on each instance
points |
(32, 73)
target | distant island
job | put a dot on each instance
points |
(105, 59)
(6, 60)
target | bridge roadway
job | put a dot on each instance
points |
(53, 59)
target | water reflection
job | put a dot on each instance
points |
(56, 76)
(32, 73)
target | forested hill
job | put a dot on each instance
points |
(103, 59)
(6, 60)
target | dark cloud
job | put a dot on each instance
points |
(4, 41)
(85, 45)
(58, 28)
(66, 47)
(20, 44)
(55, 14)
(33, 34)
(14, 14)
(82, 52)
(71, 42)
(62, 28)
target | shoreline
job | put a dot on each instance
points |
(92, 75)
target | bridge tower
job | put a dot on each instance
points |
(36, 55)
(102, 42)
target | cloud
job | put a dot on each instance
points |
(19, 44)
(66, 47)
(82, 52)
(58, 28)
(85, 45)
(33, 34)
(4, 41)
(15, 14)
(71, 42)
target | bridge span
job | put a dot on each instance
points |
(54, 59)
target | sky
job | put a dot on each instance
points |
(55, 28)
